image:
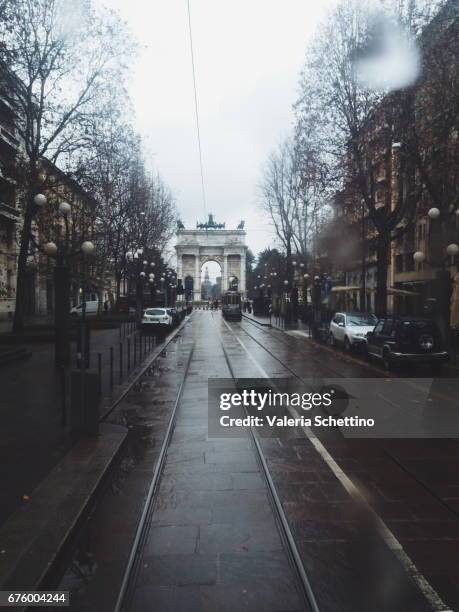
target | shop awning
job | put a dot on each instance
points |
(350, 289)
(395, 291)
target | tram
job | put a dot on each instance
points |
(231, 305)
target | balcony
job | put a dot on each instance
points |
(8, 213)
(8, 138)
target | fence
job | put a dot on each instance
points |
(113, 356)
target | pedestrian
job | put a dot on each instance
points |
(106, 307)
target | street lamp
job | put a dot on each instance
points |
(64, 208)
(419, 257)
(433, 213)
(50, 248)
(40, 200)
(88, 247)
(452, 249)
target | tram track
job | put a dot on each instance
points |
(303, 583)
(389, 538)
(130, 577)
(132, 568)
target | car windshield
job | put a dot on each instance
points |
(155, 311)
(364, 320)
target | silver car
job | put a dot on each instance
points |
(156, 318)
(349, 329)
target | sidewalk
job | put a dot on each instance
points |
(32, 437)
(278, 323)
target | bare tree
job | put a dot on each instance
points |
(293, 192)
(361, 126)
(278, 193)
(55, 58)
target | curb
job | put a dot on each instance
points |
(36, 536)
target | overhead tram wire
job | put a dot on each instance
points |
(196, 108)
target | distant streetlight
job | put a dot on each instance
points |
(452, 249)
(434, 213)
(419, 257)
(64, 208)
(88, 247)
(50, 248)
(40, 200)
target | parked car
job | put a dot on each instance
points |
(350, 328)
(411, 340)
(156, 318)
(92, 307)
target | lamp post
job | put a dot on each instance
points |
(442, 277)
(363, 288)
(60, 252)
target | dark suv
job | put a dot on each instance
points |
(409, 340)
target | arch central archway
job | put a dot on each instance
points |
(197, 247)
(211, 280)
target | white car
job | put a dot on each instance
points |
(350, 329)
(156, 318)
(92, 306)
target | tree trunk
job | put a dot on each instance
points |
(381, 276)
(19, 310)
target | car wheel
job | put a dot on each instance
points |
(387, 360)
(347, 345)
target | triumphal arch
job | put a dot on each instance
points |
(211, 241)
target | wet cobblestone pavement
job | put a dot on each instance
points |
(212, 541)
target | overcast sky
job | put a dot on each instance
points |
(248, 54)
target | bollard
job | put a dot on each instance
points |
(111, 367)
(129, 354)
(99, 371)
(121, 362)
(135, 349)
